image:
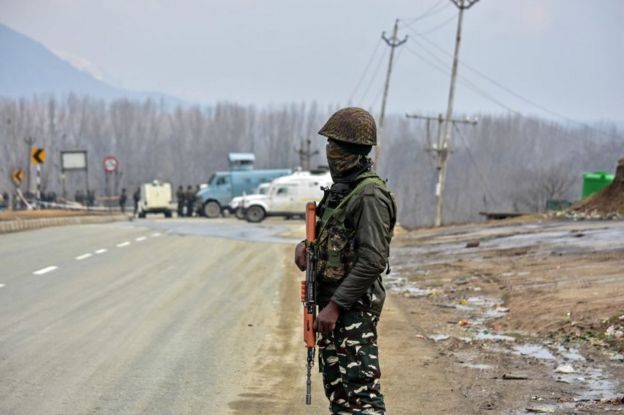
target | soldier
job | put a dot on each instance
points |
(356, 221)
(190, 200)
(181, 196)
(136, 197)
(123, 197)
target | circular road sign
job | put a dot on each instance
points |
(111, 164)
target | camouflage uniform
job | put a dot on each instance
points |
(356, 222)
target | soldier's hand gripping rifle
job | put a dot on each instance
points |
(308, 296)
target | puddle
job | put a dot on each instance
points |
(411, 291)
(570, 354)
(479, 366)
(487, 335)
(533, 350)
(597, 385)
(439, 337)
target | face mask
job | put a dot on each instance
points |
(341, 163)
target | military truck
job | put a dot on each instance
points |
(156, 197)
(286, 196)
(222, 186)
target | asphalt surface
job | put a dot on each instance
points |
(143, 317)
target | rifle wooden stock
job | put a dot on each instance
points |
(308, 296)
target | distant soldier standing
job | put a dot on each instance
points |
(136, 196)
(123, 197)
(190, 200)
(356, 222)
(181, 197)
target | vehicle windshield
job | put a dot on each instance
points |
(212, 179)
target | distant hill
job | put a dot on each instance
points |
(28, 68)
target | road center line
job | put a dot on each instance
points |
(101, 251)
(2, 285)
(155, 235)
(141, 238)
(84, 256)
(121, 245)
(45, 270)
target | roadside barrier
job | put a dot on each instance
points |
(28, 224)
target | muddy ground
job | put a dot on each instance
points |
(523, 317)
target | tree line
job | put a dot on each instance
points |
(504, 163)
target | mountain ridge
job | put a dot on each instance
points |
(29, 68)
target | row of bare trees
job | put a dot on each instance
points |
(505, 163)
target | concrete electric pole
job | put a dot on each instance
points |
(29, 142)
(393, 42)
(445, 133)
(441, 150)
(306, 154)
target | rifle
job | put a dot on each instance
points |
(308, 296)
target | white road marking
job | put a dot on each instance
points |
(2, 285)
(121, 245)
(101, 251)
(81, 257)
(155, 235)
(45, 270)
(141, 238)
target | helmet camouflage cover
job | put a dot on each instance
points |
(351, 125)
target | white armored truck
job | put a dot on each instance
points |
(156, 197)
(286, 196)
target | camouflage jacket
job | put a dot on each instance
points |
(353, 244)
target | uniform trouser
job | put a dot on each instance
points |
(349, 361)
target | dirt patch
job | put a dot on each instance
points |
(414, 379)
(609, 201)
(530, 299)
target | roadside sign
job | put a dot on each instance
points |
(38, 155)
(73, 160)
(111, 164)
(17, 175)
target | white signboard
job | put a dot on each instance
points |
(73, 160)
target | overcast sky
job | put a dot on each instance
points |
(565, 56)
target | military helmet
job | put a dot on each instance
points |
(351, 125)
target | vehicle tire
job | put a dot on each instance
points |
(255, 214)
(168, 214)
(142, 215)
(212, 209)
(239, 213)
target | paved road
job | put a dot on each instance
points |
(150, 317)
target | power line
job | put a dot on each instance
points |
(462, 79)
(474, 162)
(510, 91)
(381, 90)
(427, 13)
(366, 68)
(436, 27)
(373, 78)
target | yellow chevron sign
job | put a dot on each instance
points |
(38, 155)
(17, 175)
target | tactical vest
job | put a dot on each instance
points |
(336, 242)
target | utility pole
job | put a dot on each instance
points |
(441, 150)
(446, 130)
(29, 142)
(306, 154)
(394, 43)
